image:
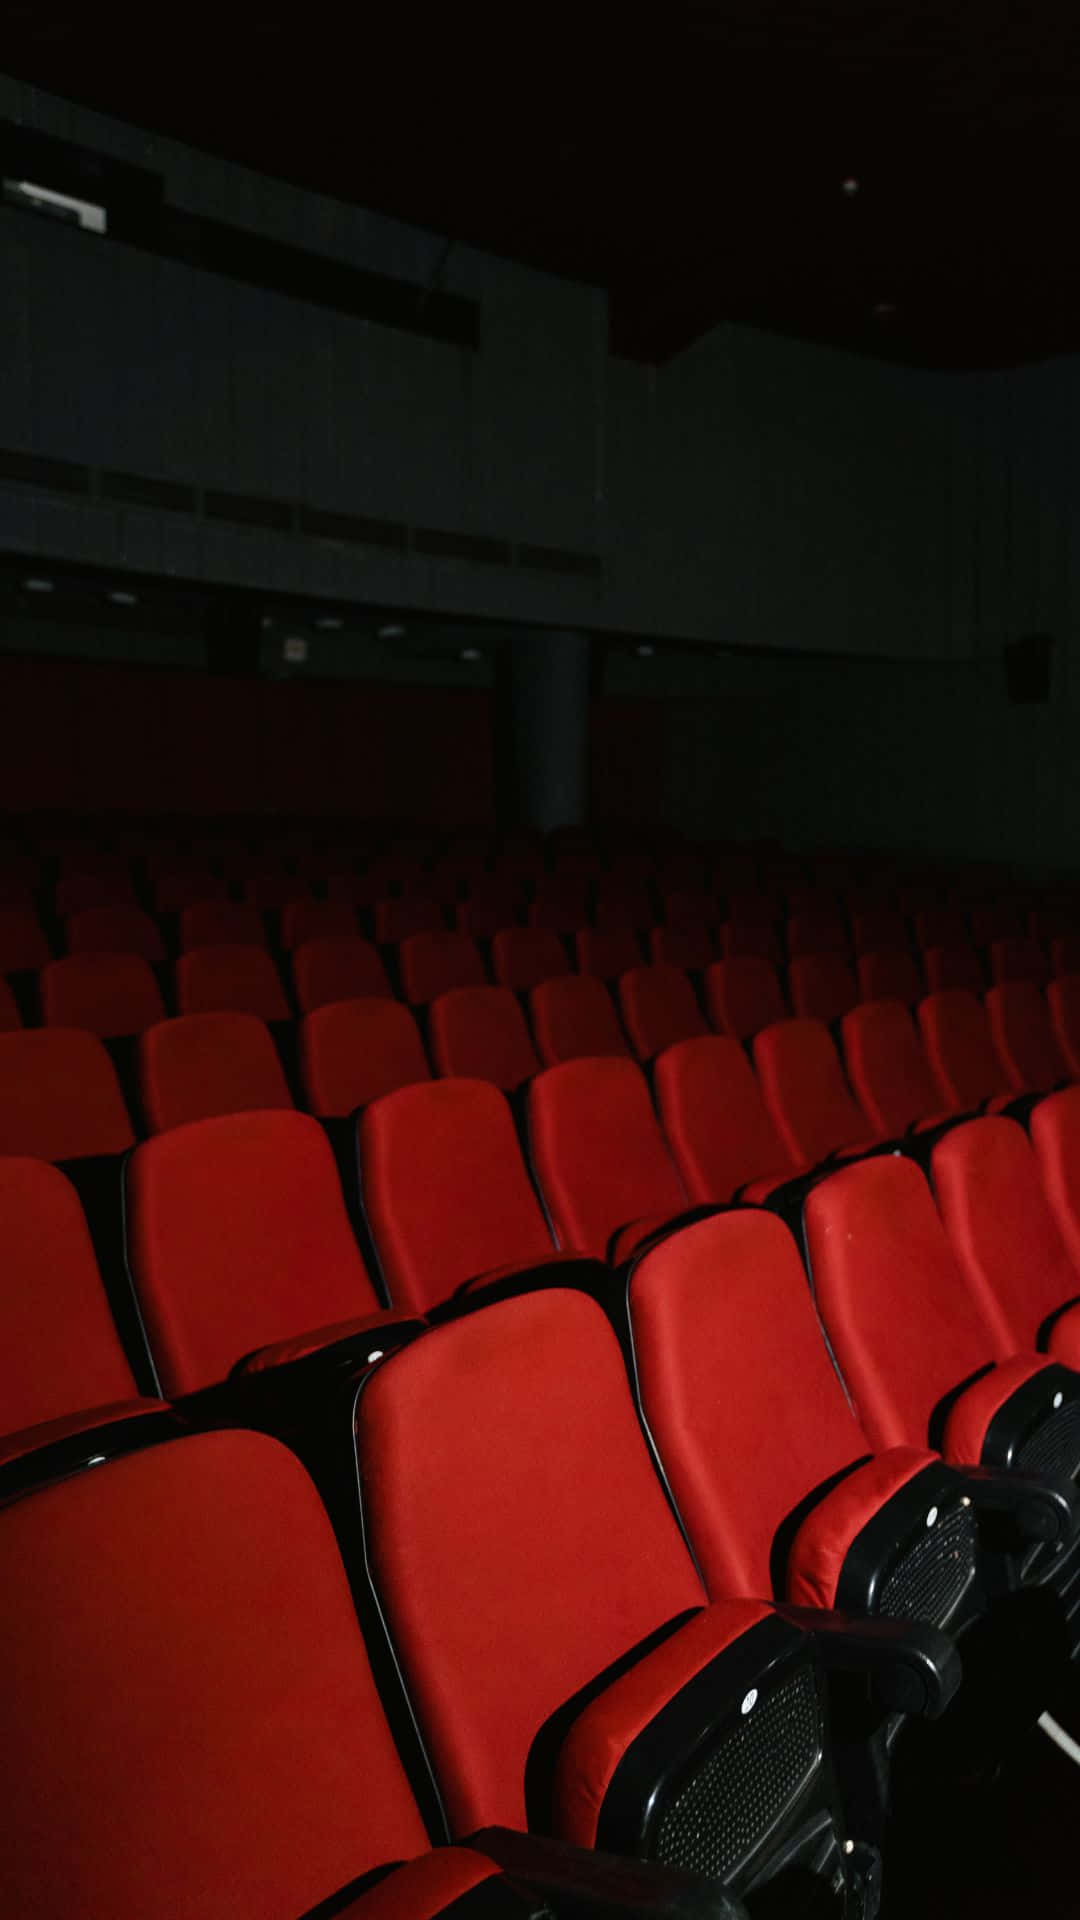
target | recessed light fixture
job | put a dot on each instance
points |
(849, 186)
(294, 649)
(36, 584)
(391, 632)
(645, 652)
(120, 597)
(471, 653)
(330, 623)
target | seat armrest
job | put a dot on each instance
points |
(914, 1667)
(1024, 1509)
(604, 1881)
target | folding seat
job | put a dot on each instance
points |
(743, 994)
(523, 956)
(512, 1429)
(1055, 1136)
(230, 979)
(1065, 955)
(23, 945)
(115, 930)
(215, 923)
(60, 1098)
(104, 886)
(204, 1064)
(1063, 1000)
(690, 948)
(915, 1351)
(690, 910)
(949, 967)
(110, 994)
(485, 910)
(878, 928)
(573, 1017)
(338, 967)
(658, 1006)
(822, 986)
(998, 1217)
(817, 932)
(187, 885)
(606, 951)
(479, 1033)
(1018, 959)
(558, 912)
(939, 926)
(10, 1017)
(802, 1080)
(888, 1068)
(315, 920)
(718, 1127)
(434, 963)
(399, 916)
(240, 1251)
(1024, 1037)
(959, 1046)
(624, 906)
(229, 1703)
(682, 872)
(1052, 922)
(888, 973)
(353, 1051)
(599, 1157)
(742, 933)
(999, 920)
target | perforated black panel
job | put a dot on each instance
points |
(745, 1783)
(1055, 1446)
(931, 1579)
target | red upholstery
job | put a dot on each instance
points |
(825, 1537)
(230, 979)
(445, 1189)
(1065, 954)
(716, 1122)
(991, 1198)
(104, 993)
(749, 935)
(22, 943)
(10, 1018)
(690, 907)
(574, 1016)
(949, 967)
(624, 906)
(1018, 958)
(397, 918)
(315, 920)
(598, 1152)
(59, 1096)
(887, 1067)
(803, 1083)
(608, 1726)
(479, 1033)
(338, 967)
(888, 973)
(606, 952)
(822, 986)
(684, 947)
(519, 1538)
(819, 930)
(878, 929)
(354, 1051)
(204, 1064)
(1055, 1135)
(238, 1238)
(482, 914)
(1063, 1000)
(434, 963)
(995, 920)
(104, 887)
(186, 885)
(1024, 1037)
(658, 1007)
(743, 995)
(272, 887)
(558, 912)
(372, 1328)
(219, 923)
(186, 1634)
(423, 1888)
(115, 930)
(939, 927)
(523, 956)
(46, 1433)
(960, 1049)
(970, 1416)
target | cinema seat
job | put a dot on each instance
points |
(819, 930)
(689, 948)
(658, 1006)
(445, 1191)
(743, 994)
(230, 979)
(204, 1064)
(939, 926)
(1024, 1037)
(110, 994)
(599, 1157)
(240, 1250)
(100, 886)
(624, 906)
(1063, 1001)
(337, 967)
(606, 952)
(1065, 955)
(1055, 1136)
(186, 884)
(10, 1017)
(1020, 958)
(716, 1122)
(878, 929)
(574, 1016)
(822, 986)
(115, 930)
(434, 963)
(271, 888)
(888, 1069)
(396, 918)
(811, 1105)
(315, 920)
(479, 1033)
(23, 946)
(353, 1051)
(947, 968)
(960, 1048)
(483, 913)
(212, 1602)
(888, 973)
(60, 1098)
(523, 956)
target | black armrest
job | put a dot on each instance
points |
(604, 1880)
(914, 1667)
(1024, 1509)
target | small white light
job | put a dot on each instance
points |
(391, 632)
(1058, 1399)
(749, 1701)
(294, 649)
(36, 584)
(96, 1460)
(330, 623)
(849, 187)
(849, 1846)
(645, 653)
(375, 1354)
(931, 1518)
(965, 1500)
(471, 653)
(121, 598)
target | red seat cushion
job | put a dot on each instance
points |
(230, 979)
(109, 994)
(208, 1063)
(598, 1152)
(806, 1093)
(354, 1051)
(479, 1033)
(716, 1121)
(574, 1016)
(337, 967)
(59, 1096)
(658, 1007)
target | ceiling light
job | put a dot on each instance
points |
(36, 584)
(849, 187)
(471, 653)
(644, 653)
(330, 623)
(121, 598)
(294, 649)
(391, 632)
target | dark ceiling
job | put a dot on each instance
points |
(689, 157)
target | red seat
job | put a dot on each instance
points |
(405, 914)
(949, 967)
(485, 911)
(103, 886)
(599, 1157)
(658, 1007)
(717, 1124)
(1055, 1135)
(337, 967)
(606, 952)
(230, 979)
(1024, 1037)
(109, 994)
(887, 1067)
(940, 926)
(186, 884)
(887, 973)
(743, 994)
(204, 1064)
(240, 1249)
(445, 1190)
(353, 1051)
(624, 905)
(23, 945)
(115, 930)
(802, 1080)
(819, 930)
(10, 1017)
(822, 986)
(1063, 1000)
(216, 923)
(273, 888)
(1020, 958)
(315, 920)
(479, 1033)
(690, 948)
(434, 963)
(523, 956)
(878, 929)
(960, 1049)
(574, 1016)
(1065, 955)
(59, 1096)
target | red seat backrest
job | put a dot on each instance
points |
(60, 1098)
(715, 1119)
(230, 979)
(574, 1016)
(887, 1067)
(354, 1051)
(800, 1075)
(110, 994)
(598, 1153)
(337, 967)
(956, 1034)
(204, 1064)
(658, 1007)
(479, 1033)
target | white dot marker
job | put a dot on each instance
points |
(1058, 1398)
(931, 1518)
(749, 1701)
